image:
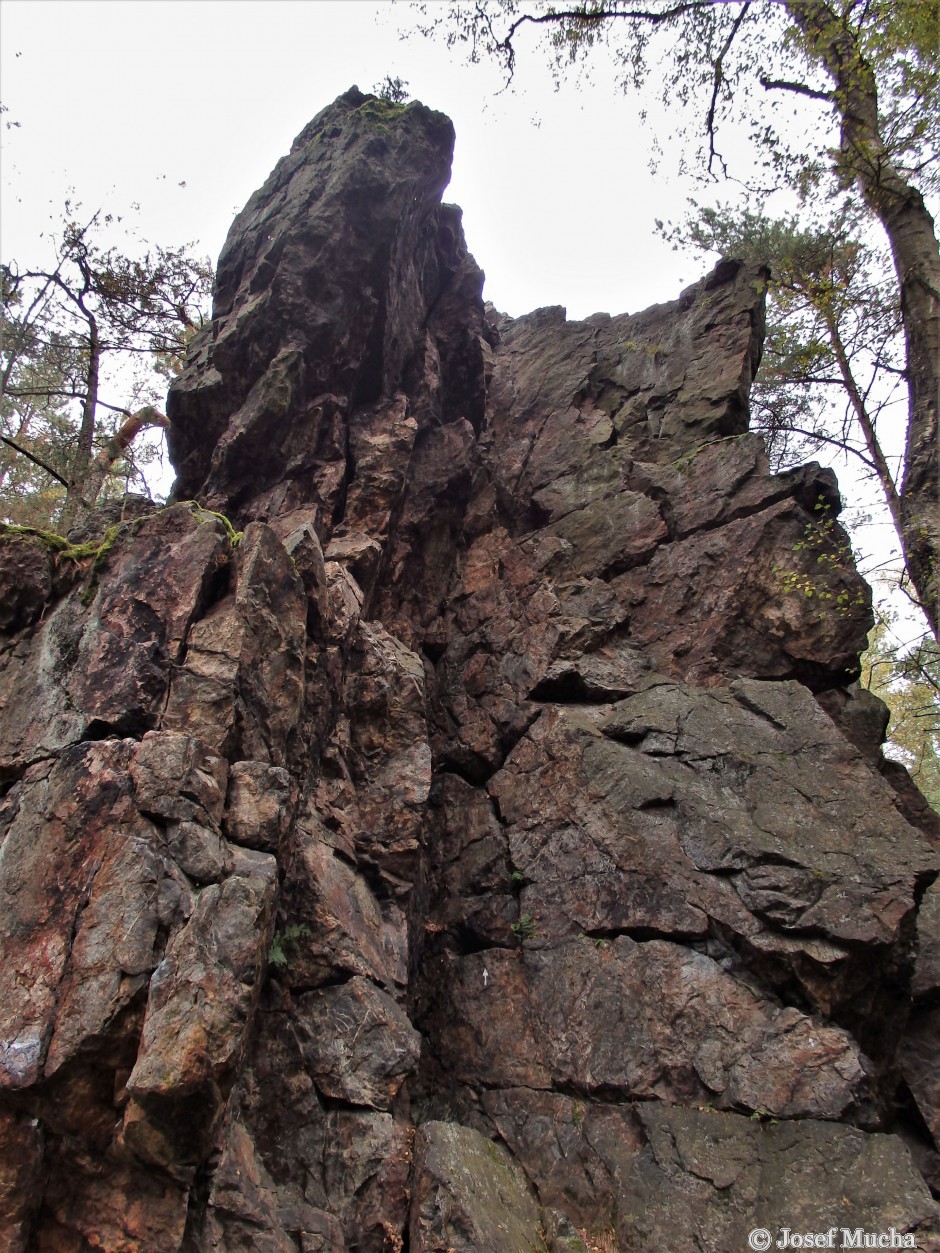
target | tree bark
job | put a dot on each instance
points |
(892, 498)
(75, 502)
(910, 229)
(116, 447)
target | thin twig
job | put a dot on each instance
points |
(717, 81)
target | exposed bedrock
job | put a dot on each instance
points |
(453, 824)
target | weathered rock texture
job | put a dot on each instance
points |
(483, 841)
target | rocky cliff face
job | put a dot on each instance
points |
(457, 831)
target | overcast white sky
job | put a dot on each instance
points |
(124, 101)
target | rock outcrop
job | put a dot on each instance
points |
(460, 829)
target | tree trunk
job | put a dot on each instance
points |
(116, 447)
(75, 501)
(910, 229)
(862, 417)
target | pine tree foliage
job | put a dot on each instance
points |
(908, 680)
(85, 348)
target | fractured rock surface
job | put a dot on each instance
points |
(460, 829)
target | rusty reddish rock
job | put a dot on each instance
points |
(461, 826)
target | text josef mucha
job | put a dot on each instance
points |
(835, 1238)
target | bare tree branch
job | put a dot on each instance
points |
(782, 84)
(24, 452)
(820, 438)
(717, 81)
(593, 16)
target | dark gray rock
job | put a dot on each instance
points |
(469, 1195)
(706, 1180)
